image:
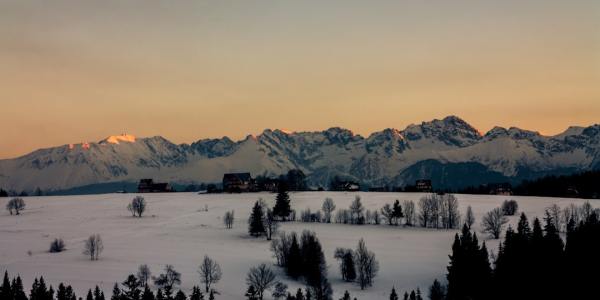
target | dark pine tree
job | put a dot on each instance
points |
(393, 294)
(18, 290)
(116, 293)
(346, 296)
(180, 295)
(5, 290)
(196, 294)
(99, 294)
(255, 222)
(149, 295)
(294, 259)
(469, 272)
(282, 207)
(89, 296)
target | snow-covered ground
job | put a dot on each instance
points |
(176, 230)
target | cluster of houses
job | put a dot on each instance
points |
(244, 183)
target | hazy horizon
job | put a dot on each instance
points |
(76, 71)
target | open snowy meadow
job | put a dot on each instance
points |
(176, 229)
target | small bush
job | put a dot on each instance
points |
(510, 207)
(58, 245)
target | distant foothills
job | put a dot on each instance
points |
(438, 155)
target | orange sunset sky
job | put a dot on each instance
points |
(74, 71)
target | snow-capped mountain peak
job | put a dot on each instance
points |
(388, 157)
(117, 139)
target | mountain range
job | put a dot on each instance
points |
(449, 151)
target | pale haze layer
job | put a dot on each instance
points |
(75, 71)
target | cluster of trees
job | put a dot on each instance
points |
(433, 211)
(358, 265)
(5, 193)
(439, 211)
(264, 221)
(14, 290)
(584, 185)
(303, 258)
(533, 262)
(413, 295)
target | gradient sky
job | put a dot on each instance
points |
(73, 71)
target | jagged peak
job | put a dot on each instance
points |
(572, 130)
(117, 139)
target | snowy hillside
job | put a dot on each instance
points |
(389, 157)
(176, 230)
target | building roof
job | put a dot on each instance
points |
(237, 176)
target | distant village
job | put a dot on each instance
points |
(294, 180)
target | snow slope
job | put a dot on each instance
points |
(177, 231)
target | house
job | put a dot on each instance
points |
(238, 183)
(149, 186)
(500, 189)
(423, 186)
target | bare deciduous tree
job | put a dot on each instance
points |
(366, 265)
(449, 211)
(137, 206)
(493, 222)
(388, 213)
(556, 213)
(469, 217)
(15, 204)
(228, 219)
(409, 212)
(93, 246)
(261, 278)
(210, 272)
(356, 211)
(168, 280)
(144, 274)
(270, 223)
(328, 208)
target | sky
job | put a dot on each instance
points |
(78, 71)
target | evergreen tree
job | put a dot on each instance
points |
(99, 294)
(89, 296)
(65, 293)
(294, 259)
(346, 296)
(469, 272)
(180, 295)
(437, 291)
(39, 291)
(299, 295)
(196, 294)
(393, 295)
(116, 293)
(160, 295)
(148, 295)
(397, 212)
(5, 290)
(18, 290)
(282, 207)
(132, 289)
(256, 221)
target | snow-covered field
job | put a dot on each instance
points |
(176, 230)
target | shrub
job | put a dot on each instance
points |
(58, 245)
(510, 207)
